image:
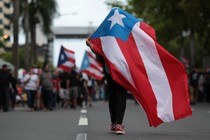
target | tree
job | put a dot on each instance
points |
(8, 56)
(39, 12)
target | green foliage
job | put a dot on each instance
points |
(115, 3)
(8, 56)
(40, 12)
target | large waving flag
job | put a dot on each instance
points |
(91, 66)
(66, 59)
(135, 60)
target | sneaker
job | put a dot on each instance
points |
(120, 129)
(113, 127)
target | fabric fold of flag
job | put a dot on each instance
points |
(157, 80)
(91, 66)
(66, 59)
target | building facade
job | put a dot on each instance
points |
(5, 21)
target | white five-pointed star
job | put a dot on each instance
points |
(86, 62)
(116, 18)
(62, 57)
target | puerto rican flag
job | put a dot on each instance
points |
(157, 80)
(91, 66)
(66, 59)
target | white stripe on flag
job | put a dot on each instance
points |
(95, 71)
(68, 64)
(93, 61)
(69, 55)
(156, 73)
(111, 48)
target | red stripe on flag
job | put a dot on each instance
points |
(69, 51)
(130, 52)
(71, 60)
(180, 97)
(65, 68)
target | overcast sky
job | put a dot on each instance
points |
(81, 12)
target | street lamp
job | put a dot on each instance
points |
(5, 36)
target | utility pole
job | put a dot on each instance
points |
(192, 48)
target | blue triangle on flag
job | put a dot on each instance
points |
(62, 56)
(119, 31)
(85, 62)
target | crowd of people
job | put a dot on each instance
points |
(199, 85)
(48, 90)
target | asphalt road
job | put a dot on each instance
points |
(92, 123)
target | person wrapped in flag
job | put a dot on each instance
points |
(117, 101)
(136, 61)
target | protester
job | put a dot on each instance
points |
(63, 92)
(13, 92)
(117, 101)
(19, 96)
(46, 83)
(5, 82)
(31, 84)
(207, 85)
(194, 76)
(90, 86)
(83, 90)
(56, 88)
(39, 102)
(72, 85)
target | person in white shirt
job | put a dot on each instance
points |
(31, 84)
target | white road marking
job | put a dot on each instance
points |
(81, 136)
(83, 120)
(83, 111)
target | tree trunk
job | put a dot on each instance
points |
(33, 21)
(206, 43)
(27, 49)
(15, 35)
(192, 48)
(181, 45)
(33, 44)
